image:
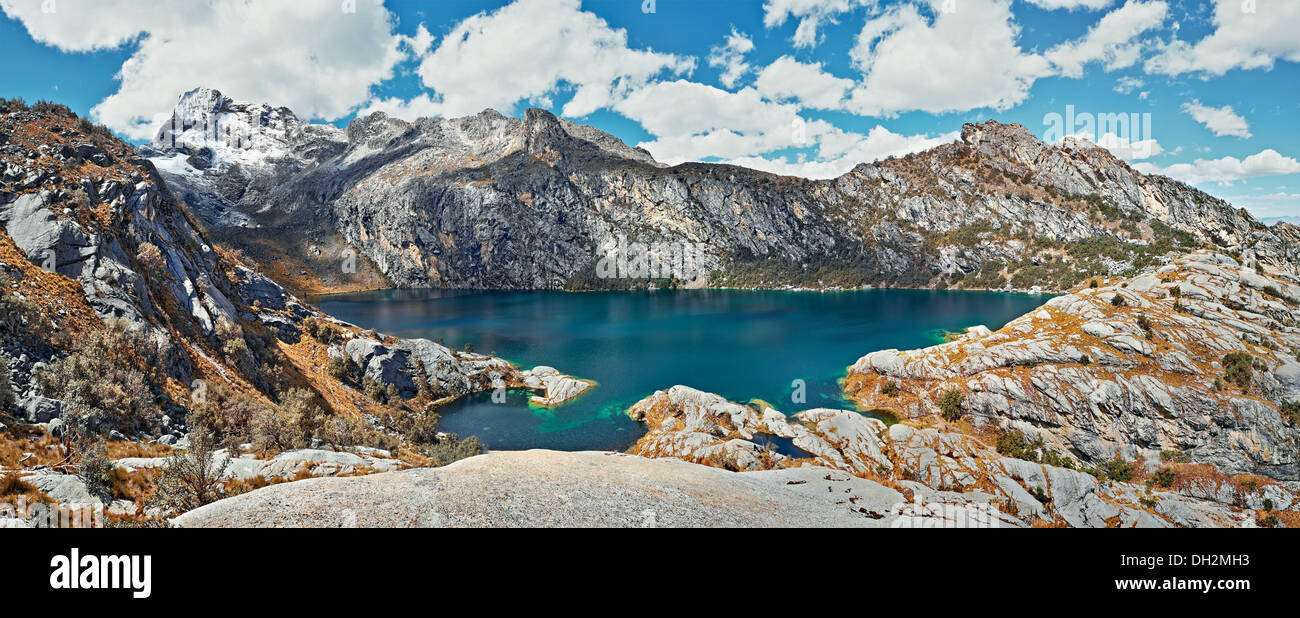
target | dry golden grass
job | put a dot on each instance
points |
(13, 488)
(121, 450)
(136, 486)
(19, 440)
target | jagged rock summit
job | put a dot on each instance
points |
(489, 201)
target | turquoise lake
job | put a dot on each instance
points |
(740, 344)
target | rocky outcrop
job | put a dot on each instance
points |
(1130, 368)
(555, 388)
(552, 489)
(934, 464)
(489, 201)
(285, 465)
(409, 364)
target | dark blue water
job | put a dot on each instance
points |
(742, 345)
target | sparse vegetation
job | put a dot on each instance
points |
(322, 331)
(7, 399)
(889, 388)
(451, 449)
(950, 405)
(104, 381)
(1117, 469)
(1165, 477)
(1238, 369)
(151, 257)
(191, 480)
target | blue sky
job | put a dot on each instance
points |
(808, 87)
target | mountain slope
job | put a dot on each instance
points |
(121, 317)
(1199, 357)
(493, 202)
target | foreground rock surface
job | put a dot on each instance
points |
(938, 465)
(547, 488)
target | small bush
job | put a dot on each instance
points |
(96, 471)
(950, 404)
(1165, 477)
(191, 480)
(322, 331)
(7, 397)
(451, 449)
(1175, 456)
(1118, 300)
(1085, 360)
(1116, 469)
(151, 257)
(424, 428)
(343, 368)
(1237, 367)
(106, 376)
(1290, 409)
(889, 388)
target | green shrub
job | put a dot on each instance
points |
(1165, 477)
(1238, 368)
(451, 449)
(343, 368)
(950, 404)
(1291, 410)
(1175, 456)
(322, 331)
(1014, 444)
(889, 388)
(1118, 300)
(1117, 469)
(95, 470)
(424, 427)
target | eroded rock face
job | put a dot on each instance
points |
(489, 201)
(932, 465)
(1096, 379)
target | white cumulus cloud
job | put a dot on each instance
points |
(730, 57)
(1248, 34)
(1227, 170)
(809, 84)
(1052, 5)
(528, 49)
(1219, 120)
(811, 14)
(953, 61)
(1113, 40)
(317, 57)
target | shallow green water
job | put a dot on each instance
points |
(739, 344)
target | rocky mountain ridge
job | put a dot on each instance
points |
(489, 201)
